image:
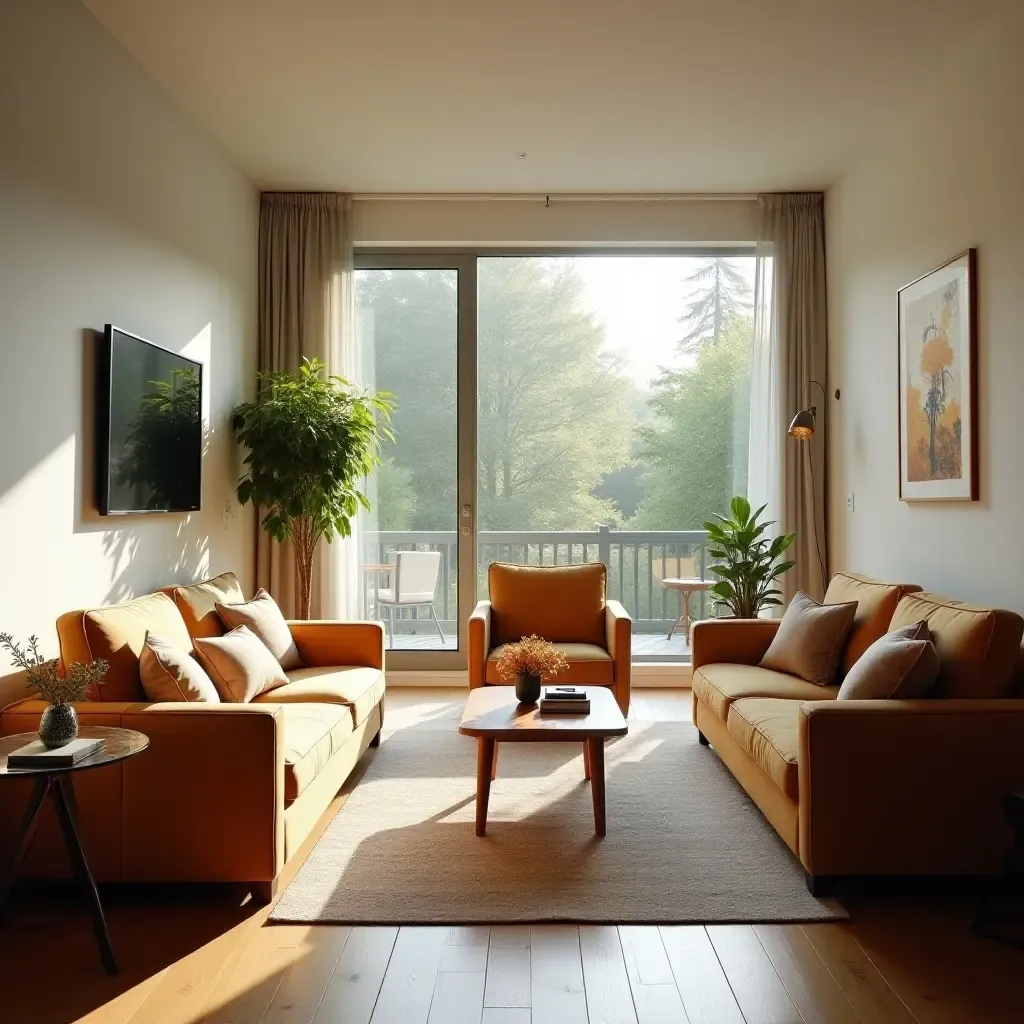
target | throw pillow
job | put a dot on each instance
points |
(170, 673)
(264, 618)
(810, 639)
(239, 664)
(901, 665)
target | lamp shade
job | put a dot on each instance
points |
(802, 427)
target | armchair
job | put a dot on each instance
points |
(565, 604)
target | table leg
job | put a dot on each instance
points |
(484, 767)
(685, 617)
(586, 759)
(596, 747)
(28, 827)
(494, 762)
(67, 813)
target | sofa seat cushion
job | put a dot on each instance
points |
(313, 733)
(588, 663)
(357, 687)
(767, 729)
(718, 685)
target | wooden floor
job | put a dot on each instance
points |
(206, 955)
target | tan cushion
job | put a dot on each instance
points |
(558, 603)
(902, 665)
(767, 729)
(170, 673)
(876, 604)
(264, 618)
(197, 603)
(118, 634)
(978, 647)
(588, 663)
(239, 664)
(358, 688)
(810, 640)
(313, 733)
(718, 685)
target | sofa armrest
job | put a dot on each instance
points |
(323, 643)
(619, 641)
(479, 642)
(907, 787)
(736, 641)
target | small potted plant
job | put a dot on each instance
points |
(527, 662)
(59, 724)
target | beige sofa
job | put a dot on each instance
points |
(873, 787)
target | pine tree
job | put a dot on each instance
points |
(723, 295)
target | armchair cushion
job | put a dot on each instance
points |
(313, 733)
(768, 729)
(198, 603)
(588, 663)
(358, 688)
(264, 618)
(717, 686)
(561, 603)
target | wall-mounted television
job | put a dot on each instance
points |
(149, 436)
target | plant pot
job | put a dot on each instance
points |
(527, 688)
(59, 725)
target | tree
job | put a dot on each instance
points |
(723, 295)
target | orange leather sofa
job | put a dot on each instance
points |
(225, 792)
(873, 787)
(565, 604)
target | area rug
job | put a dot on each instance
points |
(684, 845)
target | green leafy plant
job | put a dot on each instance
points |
(311, 440)
(747, 561)
(44, 675)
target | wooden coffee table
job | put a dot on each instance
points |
(493, 716)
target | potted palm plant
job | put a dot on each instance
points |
(747, 562)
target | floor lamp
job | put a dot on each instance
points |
(803, 428)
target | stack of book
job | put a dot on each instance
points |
(564, 700)
(35, 756)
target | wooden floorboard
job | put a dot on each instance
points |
(206, 954)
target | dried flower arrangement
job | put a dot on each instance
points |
(43, 674)
(531, 656)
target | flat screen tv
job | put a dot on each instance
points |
(150, 427)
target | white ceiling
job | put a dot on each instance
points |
(602, 95)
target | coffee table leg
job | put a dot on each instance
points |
(586, 759)
(484, 767)
(494, 762)
(40, 788)
(596, 747)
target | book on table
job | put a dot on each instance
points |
(565, 693)
(35, 755)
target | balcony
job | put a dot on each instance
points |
(637, 563)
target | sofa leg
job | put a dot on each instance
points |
(702, 739)
(820, 886)
(263, 892)
(375, 742)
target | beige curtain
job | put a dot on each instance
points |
(790, 351)
(305, 295)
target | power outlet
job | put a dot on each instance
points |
(849, 502)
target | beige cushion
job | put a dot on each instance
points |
(313, 734)
(264, 618)
(978, 647)
(718, 685)
(197, 603)
(901, 665)
(170, 673)
(810, 639)
(876, 604)
(588, 663)
(358, 688)
(768, 730)
(239, 664)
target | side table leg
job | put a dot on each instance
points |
(40, 788)
(494, 762)
(484, 767)
(596, 747)
(67, 812)
(586, 759)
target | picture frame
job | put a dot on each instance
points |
(938, 383)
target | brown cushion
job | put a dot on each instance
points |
(264, 618)
(358, 688)
(170, 673)
(588, 663)
(810, 639)
(239, 664)
(117, 633)
(313, 733)
(719, 684)
(978, 647)
(197, 603)
(876, 604)
(767, 728)
(901, 665)
(559, 603)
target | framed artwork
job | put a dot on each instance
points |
(938, 389)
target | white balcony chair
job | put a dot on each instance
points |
(413, 585)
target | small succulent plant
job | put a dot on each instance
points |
(44, 675)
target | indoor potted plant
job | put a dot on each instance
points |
(527, 662)
(59, 723)
(311, 440)
(747, 561)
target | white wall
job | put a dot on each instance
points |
(113, 208)
(946, 175)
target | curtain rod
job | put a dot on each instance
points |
(547, 198)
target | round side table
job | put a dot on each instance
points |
(119, 744)
(686, 587)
